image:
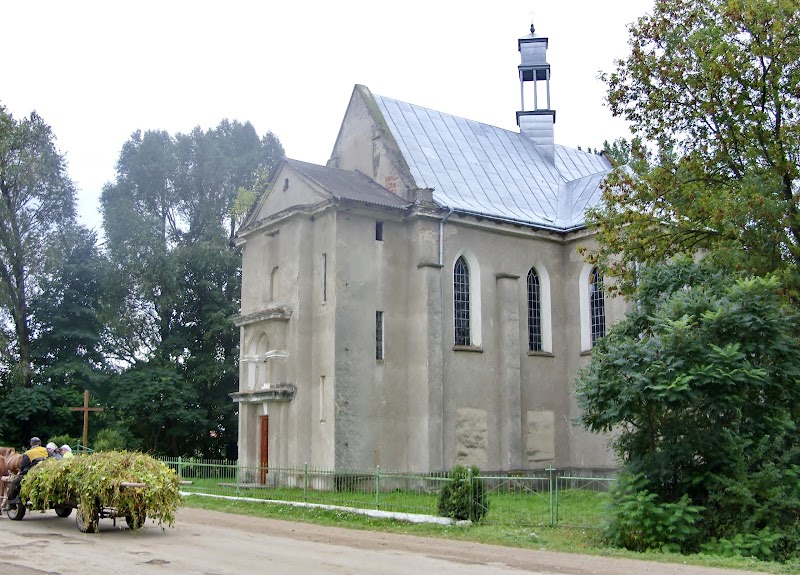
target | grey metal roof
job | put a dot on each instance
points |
(349, 185)
(485, 170)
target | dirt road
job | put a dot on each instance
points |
(211, 543)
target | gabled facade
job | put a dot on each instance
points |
(420, 301)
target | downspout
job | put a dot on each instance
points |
(441, 299)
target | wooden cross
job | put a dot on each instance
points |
(85, 409)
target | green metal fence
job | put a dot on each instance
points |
(549, 497)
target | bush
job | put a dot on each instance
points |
(641, 522)
(757, 512)
(464, 496)
(760, 545)
(110, 439)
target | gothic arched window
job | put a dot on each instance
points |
(597, 306)
(461, 301)
(534, 312)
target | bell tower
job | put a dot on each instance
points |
(537, 122)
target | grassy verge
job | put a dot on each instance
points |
(561, 539)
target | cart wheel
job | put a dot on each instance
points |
(16, 511)
(90, 526)
(63, 511)
(136, 519)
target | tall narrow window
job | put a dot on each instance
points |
(324, 278)
(378, 335)
(379, 231)
(534, 312)
(597, 306)
(322, 399)
(461, 301)
(273, 284)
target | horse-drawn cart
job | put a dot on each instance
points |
(87, 522)
(108, 485)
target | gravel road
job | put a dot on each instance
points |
(212, 543)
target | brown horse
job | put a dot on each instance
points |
(10, 463)
(12, 460)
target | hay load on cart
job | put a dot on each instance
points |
(110, 484)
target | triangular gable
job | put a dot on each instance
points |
(366, 143)
(287, 188)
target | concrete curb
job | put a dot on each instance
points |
(410, 517)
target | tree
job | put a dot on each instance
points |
(208, 297)
(68, 314)
(710, 86)
(700, 388)
(37, 199)
(41, 410)
(169, 218)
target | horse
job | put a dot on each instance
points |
(10, 464)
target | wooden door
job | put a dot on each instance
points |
(263, 447)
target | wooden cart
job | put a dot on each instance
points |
(135, 518)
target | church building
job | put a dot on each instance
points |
(420, 301)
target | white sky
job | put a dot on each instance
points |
(98, 70)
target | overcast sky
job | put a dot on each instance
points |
(96, 71)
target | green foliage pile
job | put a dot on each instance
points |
(464, 496)
(94, 480)
(700, 388)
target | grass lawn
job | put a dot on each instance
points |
(561, 539)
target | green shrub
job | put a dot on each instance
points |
(464, 496)
(110, 439)
(757, 512)
(760, 545)
(641, 522)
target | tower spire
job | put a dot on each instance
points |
(534, 77)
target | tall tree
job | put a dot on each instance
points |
(142, 225)
(68, 314)
(37, 198)
(169, 218)
(711, 88)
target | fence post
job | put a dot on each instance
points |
(180, 467)
(550, 471)
(239, 479)
(305, 482)
(471, 494)
(377, 487)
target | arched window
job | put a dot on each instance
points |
(597, 306)
(534, 312)
(461, 301)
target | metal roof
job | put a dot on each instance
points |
(349, 185)
(485, 170)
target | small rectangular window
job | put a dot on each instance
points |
(378, 335)
(324, 278)
(379, 231)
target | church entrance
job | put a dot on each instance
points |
(263, 443)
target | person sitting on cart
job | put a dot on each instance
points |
(53, 450)
(30, 458)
